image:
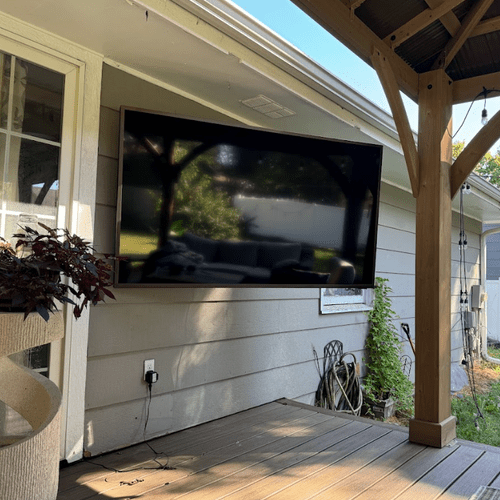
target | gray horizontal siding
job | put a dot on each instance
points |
(217, 351)
(221, 350)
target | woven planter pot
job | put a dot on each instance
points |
(380, 409)
(29, 468)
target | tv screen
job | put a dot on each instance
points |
(206, 204)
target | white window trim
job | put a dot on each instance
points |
(345, 304)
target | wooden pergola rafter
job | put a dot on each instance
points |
(439, 56)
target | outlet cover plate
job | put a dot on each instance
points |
(149, 365)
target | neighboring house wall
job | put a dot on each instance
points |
(218, 350)
(493, 308)
(492, 285)
(492, 253)
(471, 275)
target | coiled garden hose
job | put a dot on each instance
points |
(339, 388)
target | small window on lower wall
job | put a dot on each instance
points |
(337, 300)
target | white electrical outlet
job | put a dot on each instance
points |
(149, 365)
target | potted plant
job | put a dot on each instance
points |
(41, 270)
(32, 275)
(386, 387)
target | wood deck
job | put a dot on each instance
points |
(286, 451)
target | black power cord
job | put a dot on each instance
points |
(150, 379)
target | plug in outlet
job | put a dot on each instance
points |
(149, 365)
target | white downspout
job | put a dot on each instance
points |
(483, 324)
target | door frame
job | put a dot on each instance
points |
(78, 169)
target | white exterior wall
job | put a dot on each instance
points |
(493, 311)
(219, 350)
(396, 261)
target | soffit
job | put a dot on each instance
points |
(178, 53)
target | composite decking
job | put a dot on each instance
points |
(285, 450)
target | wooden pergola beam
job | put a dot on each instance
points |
(391, 89)
(355, 4)
(449, 20)
(473, 152)
(336, 18)
(420, 22)
(485, 27)
(456, 42)
(468, 89)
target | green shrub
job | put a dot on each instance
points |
(385, 377)
(203, 210)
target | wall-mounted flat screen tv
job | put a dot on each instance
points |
(207, 204)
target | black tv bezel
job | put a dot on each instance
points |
(117, 284)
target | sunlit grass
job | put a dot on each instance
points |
(137, 244)
(494, 352)
(473, 428)
(322, 260)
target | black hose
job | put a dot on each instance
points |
(339, 388)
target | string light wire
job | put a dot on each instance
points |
(464, 305)
(484, 93)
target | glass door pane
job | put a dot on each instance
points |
(31, 110)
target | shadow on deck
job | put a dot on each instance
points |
(285, 450)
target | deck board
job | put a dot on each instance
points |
(350, 439)
(481, 473)
(232, 484)
(435, 482)
(286, 451)
(243, 468)
(496, 482)
(375, 471)
(191, 457)
(406, 475)
(336, 472)
(84, 472)
(196, 441)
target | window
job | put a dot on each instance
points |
(31, 110)
(31, 103)
(336, 300)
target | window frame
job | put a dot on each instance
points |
(331, 304)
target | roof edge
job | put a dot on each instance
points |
(247, 30)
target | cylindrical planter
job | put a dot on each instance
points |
(29, 468)
(18, 334)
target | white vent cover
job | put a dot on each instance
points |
(267, 107)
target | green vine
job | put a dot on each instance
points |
(385, 377)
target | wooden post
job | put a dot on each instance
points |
(433, 424)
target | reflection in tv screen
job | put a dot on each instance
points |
(207, 204)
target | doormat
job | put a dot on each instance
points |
(486, 493)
